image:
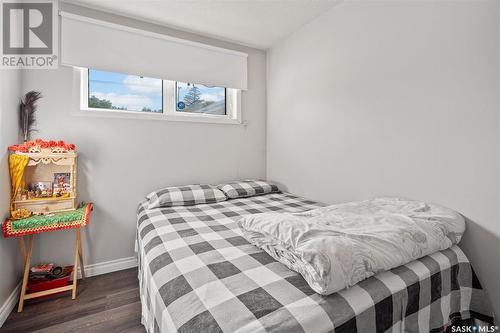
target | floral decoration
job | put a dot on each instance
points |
(37, 145)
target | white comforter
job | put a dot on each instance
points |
(337, 246)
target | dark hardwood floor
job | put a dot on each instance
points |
(105, 303)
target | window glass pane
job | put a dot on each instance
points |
(200, 99)
(108, 90)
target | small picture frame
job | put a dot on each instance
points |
(41, 189)
(62, 184)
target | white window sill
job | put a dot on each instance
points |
(197, 118)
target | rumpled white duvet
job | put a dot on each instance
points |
(337, 246)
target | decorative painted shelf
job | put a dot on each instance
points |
(41, 162)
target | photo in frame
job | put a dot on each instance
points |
(40, 189)
(62, 184)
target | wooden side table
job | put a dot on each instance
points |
(31, 226)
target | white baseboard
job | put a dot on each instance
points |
(9, 304)
(109, 266)
(90, 270)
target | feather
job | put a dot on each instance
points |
(27, 113)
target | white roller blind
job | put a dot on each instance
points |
(106, 46)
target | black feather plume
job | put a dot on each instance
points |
(27, 113)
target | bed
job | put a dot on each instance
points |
(198, 274)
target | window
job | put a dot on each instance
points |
(116, 91)
(198, 98)
(123, 95)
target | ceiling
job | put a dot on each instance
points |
(257, 24)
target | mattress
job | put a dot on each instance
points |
(198, 274)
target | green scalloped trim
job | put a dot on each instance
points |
(43, 220)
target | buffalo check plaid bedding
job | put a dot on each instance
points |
(198, 274)
(247, 188)
(187, 195)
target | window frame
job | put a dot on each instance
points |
(177, 91)
(170, 113)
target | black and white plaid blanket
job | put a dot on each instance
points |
(198, 274)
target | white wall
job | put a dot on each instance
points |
(394, 98)
(10, 260)
(122, 160)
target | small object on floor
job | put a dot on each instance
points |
(47, 272)
(40, 272)
(42, 268)
(52, 281)
(57, 272)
